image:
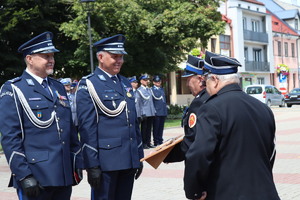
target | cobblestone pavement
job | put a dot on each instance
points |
(166, 181)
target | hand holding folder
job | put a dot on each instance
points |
(156, 157)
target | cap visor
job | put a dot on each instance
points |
(49, 51)
(187, 74)
(118, 52)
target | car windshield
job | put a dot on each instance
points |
(294, 91)
(254, 90)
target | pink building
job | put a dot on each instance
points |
(285, 52)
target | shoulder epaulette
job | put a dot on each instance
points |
(15, 80)
(87, 76)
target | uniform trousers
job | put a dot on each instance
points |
(115, 185)
(49, 193)
(146, 126)
(158, 128)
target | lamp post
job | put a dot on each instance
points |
(89, 6)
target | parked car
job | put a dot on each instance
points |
(267, 94)
(293, 97)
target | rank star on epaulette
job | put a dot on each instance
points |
(192, 120)
(30, 82)
(102, 78)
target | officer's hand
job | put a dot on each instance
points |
(139, 171)
(79, 173)
(94, 176)
(30, 186)
(77, 176)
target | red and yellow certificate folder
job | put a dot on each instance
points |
(156, 157)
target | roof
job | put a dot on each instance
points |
(254, 1)
(280, 26)
(287, 14)
(272, 6)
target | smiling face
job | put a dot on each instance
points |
(41, 64)
(111, 63)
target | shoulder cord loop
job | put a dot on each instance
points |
(146, 98)
(102, 107)
(156, 98)
(34, 120)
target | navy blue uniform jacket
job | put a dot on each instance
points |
(233, 152)
(111, 142)
(46, 153)
(159, 101)
(178, 152)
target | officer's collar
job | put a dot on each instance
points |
(37, 78)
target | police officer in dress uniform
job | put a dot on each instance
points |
(39, 139)
(108, 125)
(233, 152)
(134, 83)
(196, 83)
(160, 105)
(145, 109)
(71, 96)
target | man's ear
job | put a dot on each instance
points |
(28, 59)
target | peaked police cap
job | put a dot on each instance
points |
(114, 44)
(39, 44)
(219, 64)
(193, 66)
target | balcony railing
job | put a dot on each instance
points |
(256, 66)
(255, 36)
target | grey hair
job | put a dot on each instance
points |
(227, 78)
(99, 52)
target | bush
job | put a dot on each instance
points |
(175, 111)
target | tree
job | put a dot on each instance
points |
(20, 20)
(158, 32)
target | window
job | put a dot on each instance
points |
(257, 55)
(224, 42)
(246, 54)
(296, 24)
(261, 80)
(293, 49)
(279, 48)
(255, 25)
(245, 23)
(213, 43)
(286, 49)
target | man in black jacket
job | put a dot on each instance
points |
(233, 153)
(195, 82)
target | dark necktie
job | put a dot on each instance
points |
(115, 79)
(45, 85)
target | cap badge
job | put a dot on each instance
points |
(192, 120)
(48, 36)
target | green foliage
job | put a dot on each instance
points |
(175, 111)
(158, 32)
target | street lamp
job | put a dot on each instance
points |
(89, 7)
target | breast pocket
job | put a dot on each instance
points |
(40, 109)
(38, 156)
(111, 100)
(38, 105)
(109, 144)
